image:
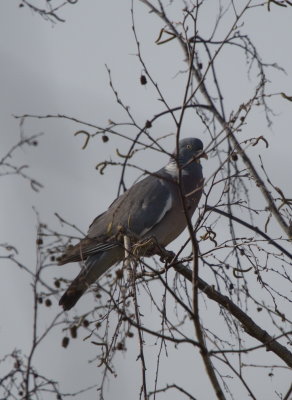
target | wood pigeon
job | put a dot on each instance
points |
(151, 208)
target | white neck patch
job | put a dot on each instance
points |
(172, 169)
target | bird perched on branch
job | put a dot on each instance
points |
(157, 207)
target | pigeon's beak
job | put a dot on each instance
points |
(196, 158)
(202, 154)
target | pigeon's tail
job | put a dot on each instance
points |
(72, 295)
(95, 266)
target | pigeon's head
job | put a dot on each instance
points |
(189, 150)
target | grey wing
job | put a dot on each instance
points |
(149, 203)
(138, 210)
(100, 224)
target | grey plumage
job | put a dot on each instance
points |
(150, 208)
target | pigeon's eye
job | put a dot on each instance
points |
(189, 147)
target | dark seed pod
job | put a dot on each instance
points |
(65, 342)
(143, 80)
(73, 331)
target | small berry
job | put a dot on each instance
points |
(119, 273)
(57, 283)
(120, 346)
(85, 323)
(48, 303)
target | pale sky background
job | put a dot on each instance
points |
(60, 69)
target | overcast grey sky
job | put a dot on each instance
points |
(60, 69)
